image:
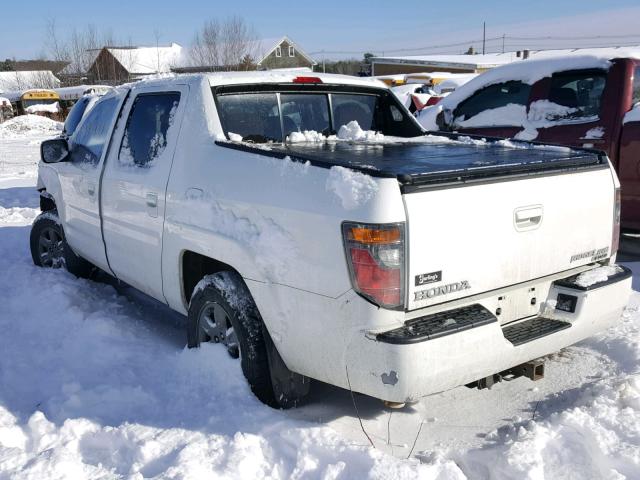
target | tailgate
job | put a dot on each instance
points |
(473, 238)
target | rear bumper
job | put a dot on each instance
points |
(384, 367)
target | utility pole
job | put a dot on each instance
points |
(503, 43)
(484, 36)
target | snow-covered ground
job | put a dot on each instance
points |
(95, 382)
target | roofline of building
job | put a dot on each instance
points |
(424, 63)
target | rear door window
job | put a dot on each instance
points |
(145, 135)
(493, 97)
(579, 92)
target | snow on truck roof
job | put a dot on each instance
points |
(238, 78)
(256, 77)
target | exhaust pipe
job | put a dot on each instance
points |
(533, 370)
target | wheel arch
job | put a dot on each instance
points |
(195, 266)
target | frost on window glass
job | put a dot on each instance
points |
(88, 141)
(148, 127)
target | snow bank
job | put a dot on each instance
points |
(25, 125)
(354, 189)
(95, 386)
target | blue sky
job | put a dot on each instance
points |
(329, 25)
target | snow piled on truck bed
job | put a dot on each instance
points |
(96, 383)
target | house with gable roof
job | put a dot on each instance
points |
(283, 53)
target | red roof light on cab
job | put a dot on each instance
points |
(307, 80)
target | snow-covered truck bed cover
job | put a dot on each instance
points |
(436, 159)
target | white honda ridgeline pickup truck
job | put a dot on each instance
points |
(368, 255)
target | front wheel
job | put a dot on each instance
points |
(49, 248)
(222, 311)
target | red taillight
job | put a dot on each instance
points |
(433, 100)
(307, 80)
(375, 254)
(615, 237)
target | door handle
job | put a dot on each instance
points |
(152, 200)
(152, 205)
(528, 218)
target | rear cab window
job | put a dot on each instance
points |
(273, 114)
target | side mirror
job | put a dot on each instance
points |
(54, 151)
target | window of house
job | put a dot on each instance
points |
(87, 144)
(579, 92)
(492, 97)
(636, 86)
(278, 51)
(145, 136)
(292, 52)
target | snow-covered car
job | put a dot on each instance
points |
(78, 111)
(309, 226)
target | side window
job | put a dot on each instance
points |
(145, 135)
(492, 97)
(87, 144)
(636, 86)
(579, 92)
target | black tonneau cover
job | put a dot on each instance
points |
(423, 163)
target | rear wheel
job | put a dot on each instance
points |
(222, 311)
(49, 248)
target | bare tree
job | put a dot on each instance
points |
(228, 45)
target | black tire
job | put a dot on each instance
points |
(269, 378)
(46, 229)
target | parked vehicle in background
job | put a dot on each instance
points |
(40, 102)
(436, 79)
(415, 96)
(588, 101)
(78, 111)
(70, 95)
(308, 226)
(6, 110)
